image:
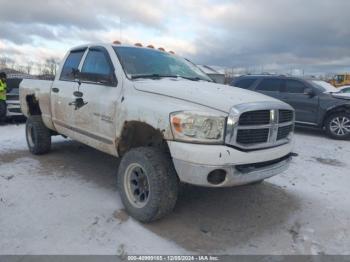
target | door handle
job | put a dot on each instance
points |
(78, 103)
(55, 90)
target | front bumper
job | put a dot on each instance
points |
(194, 162)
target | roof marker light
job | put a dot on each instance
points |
(150, 46)
(161, 49)
(117, 42)
(138, 44)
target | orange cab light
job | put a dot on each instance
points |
(161, 49)
(138, 44)
(150, 46)
(116, 42)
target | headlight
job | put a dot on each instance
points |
(197, 127)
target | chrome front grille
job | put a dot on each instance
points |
(249, 136)
(259, 125)
(285, 116)
(284, 131)
(261, 117)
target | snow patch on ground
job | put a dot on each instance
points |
(66, 202)
(46, 212)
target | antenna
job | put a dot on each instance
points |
(120, 28)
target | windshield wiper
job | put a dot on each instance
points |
(152, 76)
(193, 78)
(158, 76)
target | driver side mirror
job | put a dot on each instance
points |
(309, 92)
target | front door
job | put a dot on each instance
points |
(100, 90)
(305, 105)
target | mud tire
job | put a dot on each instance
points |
(162, 184)
(38, 136)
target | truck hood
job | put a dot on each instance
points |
(216, 96)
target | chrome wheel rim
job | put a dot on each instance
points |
(340, 126)
(136, 185)
(30, 136)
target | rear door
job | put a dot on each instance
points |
(270, 86)
(305, 105)
(62, 93)
(95, 121)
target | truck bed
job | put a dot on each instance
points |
(41, 89)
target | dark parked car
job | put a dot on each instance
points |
(12, 97)
(316, 102)
(344, 89)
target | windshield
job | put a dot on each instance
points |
(141, 63)
(324, 86)
(345, 89)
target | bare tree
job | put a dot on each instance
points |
(28, 67)
(51, 65)
(3, 62)
(19, 68)
(39, 67)
(10, 63)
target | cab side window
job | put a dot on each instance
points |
(245, 83)
(271, 85)
(96, 63)
(72, 63)
(294, 87)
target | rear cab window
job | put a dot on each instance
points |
(72, 63)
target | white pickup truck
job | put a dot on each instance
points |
(164, 117)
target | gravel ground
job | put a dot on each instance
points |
(66, 202)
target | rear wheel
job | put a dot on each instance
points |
(38, 136)
(338, 126)
(147, 183)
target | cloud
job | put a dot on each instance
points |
(290, 33)
(81, 13)
(280, 34)
(24, 33)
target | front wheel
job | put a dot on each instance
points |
(38, 135)
(147, 183)
(338, 126)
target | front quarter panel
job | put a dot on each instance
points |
(329, 103)
(152, 109)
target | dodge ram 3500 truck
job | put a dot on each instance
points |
(164, 117)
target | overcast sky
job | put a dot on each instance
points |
(271, 34)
